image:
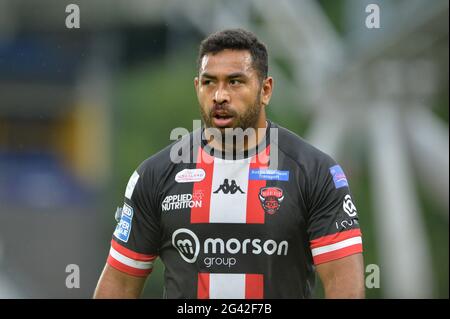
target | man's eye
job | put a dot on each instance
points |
(235, 82)
(206, 82)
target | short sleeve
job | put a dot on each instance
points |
(333, 226)
(136, 239)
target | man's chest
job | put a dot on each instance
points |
(231, 217)
(253, 200)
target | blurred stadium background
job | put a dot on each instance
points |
(81, 108)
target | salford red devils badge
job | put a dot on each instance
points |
(271, 198)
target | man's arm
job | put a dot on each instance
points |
(343, 278)
(116, 284)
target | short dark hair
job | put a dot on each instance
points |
(236, 39)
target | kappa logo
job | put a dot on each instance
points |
(228, 188)
(271, 198)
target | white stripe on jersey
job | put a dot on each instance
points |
(130, 262)
(131, 184)
(229, 208)
(227, 286)
(342, 244)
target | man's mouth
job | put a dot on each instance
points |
(222, 119)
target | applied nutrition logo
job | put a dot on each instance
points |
(182, 201)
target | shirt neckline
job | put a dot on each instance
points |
(232, 155)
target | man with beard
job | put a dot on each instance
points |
(249, 219)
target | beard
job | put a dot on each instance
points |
(245, 120)
(235, 137)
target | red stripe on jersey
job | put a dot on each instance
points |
(254, 286)
(127, 269)
(337, 254)
(131, 254)
(334, 238)
(255, 212)
(203, 286)
(205, 162)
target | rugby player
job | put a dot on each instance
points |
(256, 221)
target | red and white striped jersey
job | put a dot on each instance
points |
(250, 227)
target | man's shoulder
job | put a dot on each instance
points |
(297, 148)
(179, 151)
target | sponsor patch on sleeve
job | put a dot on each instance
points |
(268, 175)
(339, 178)
(131, 184)
(123, 228)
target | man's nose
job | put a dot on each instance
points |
(221, 96)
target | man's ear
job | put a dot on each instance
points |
(196, 83)
(266, 90)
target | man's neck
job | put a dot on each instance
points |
(239, 140)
